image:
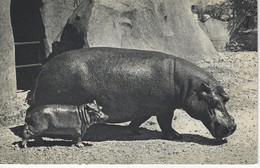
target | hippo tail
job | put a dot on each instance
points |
(32, 106)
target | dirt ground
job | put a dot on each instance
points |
(115, 143)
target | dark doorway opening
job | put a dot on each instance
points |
(29, 33)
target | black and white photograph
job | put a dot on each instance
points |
(128, 82)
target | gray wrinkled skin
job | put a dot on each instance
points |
(61, 120)
(133, 85)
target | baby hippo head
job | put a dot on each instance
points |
(95, 113)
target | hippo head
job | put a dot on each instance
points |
(95, 113)
(208, 105)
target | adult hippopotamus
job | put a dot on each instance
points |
(133, 85)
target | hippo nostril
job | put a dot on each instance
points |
(232, 128)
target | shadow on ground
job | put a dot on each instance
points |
(105, 132)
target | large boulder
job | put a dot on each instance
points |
(167, 26)
(217, 31)
(54, 17)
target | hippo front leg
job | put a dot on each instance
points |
(165, 123)
(134, 125)
(78, 138)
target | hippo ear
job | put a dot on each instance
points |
(224, 96)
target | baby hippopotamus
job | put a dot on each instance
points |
(60, 120)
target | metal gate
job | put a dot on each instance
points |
(29, 35)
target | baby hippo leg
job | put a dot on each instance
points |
(33, 132)
(27, 134)
(78, 139)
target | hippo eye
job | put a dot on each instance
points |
(90, 111)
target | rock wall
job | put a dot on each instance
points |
(54, 16)
(217, 31)
(167, 26)
(7, 59)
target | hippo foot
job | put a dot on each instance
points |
(24, 146)
(220, 141)
(79, 144)
(24, 143)
(172, 136)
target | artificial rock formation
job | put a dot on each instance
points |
(7, 59)
(163, 25)
(217, 31)
(54, 17)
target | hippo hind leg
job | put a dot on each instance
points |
(165, 123)
(31, 132)
(134, 125)
(27, 134)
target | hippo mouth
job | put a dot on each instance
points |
(219, 131)
(221, 126)
(100, 118)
